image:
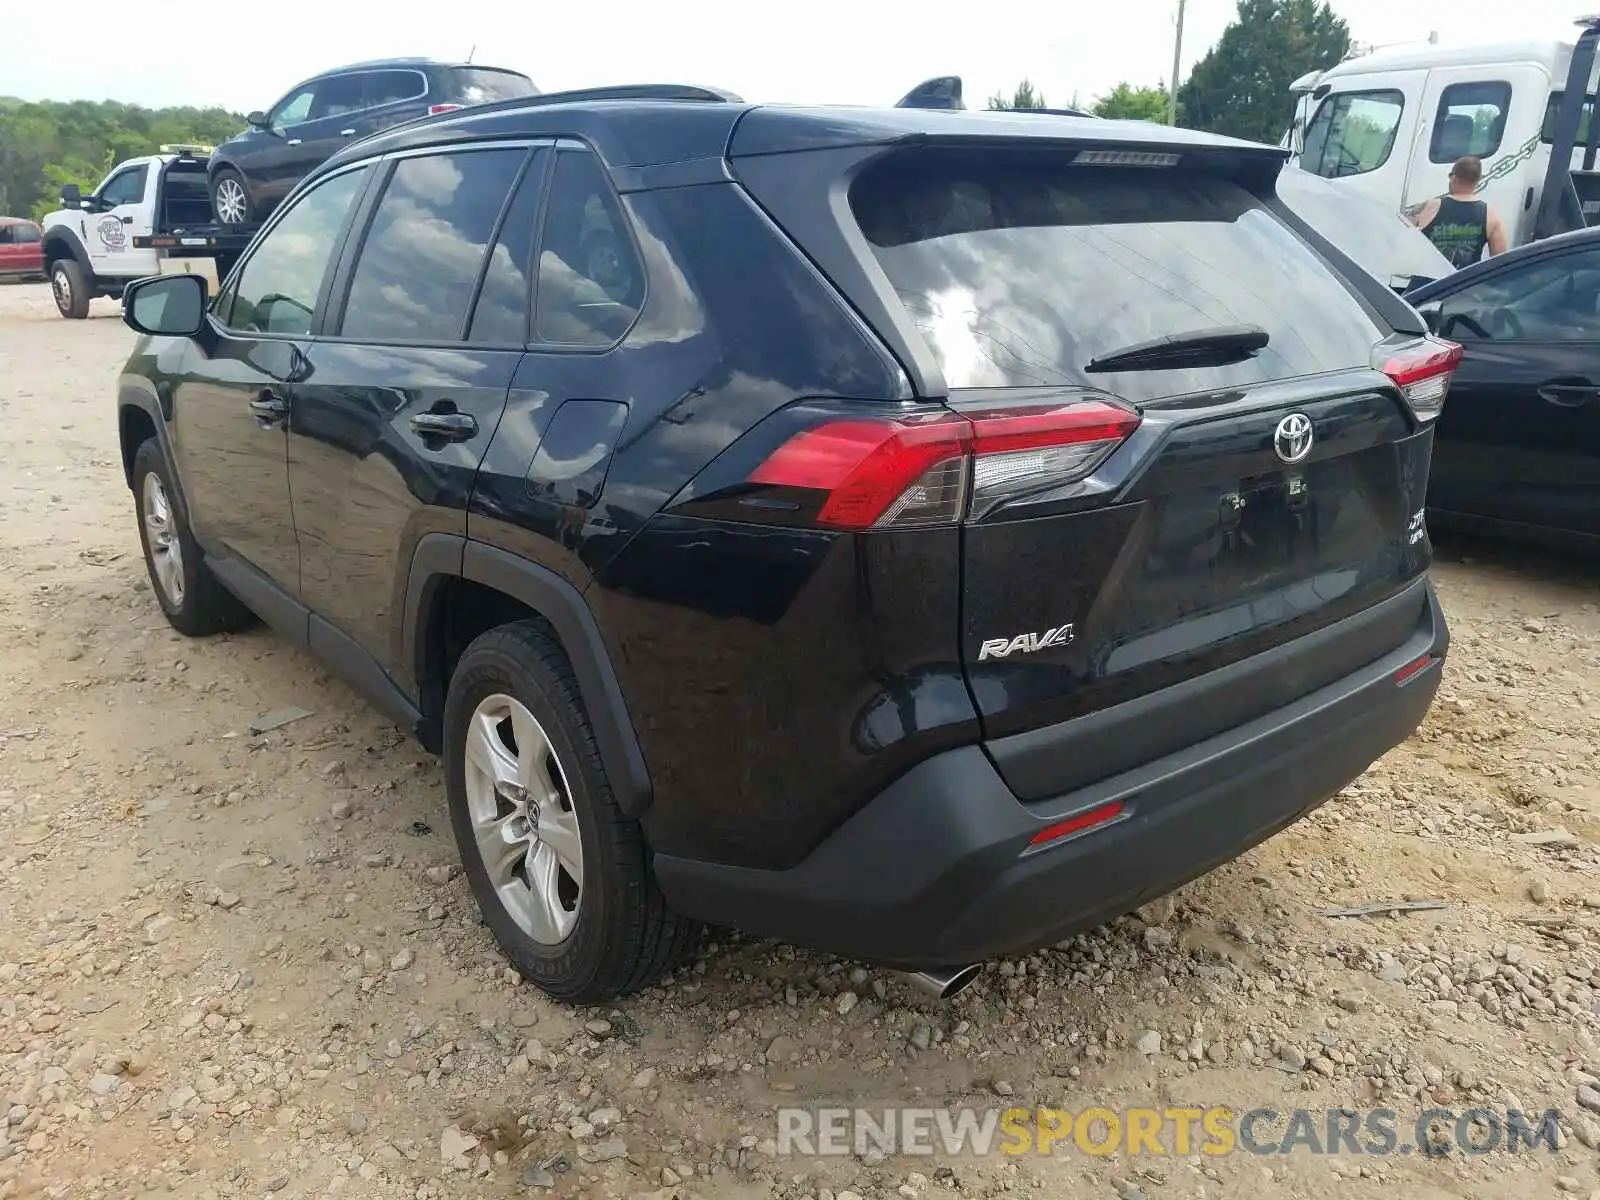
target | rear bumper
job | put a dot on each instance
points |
(937, 869)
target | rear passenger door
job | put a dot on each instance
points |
(541, 482)
(408, 379)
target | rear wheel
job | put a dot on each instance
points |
(230, 198)
(70, 289)
(193, 599)
(561, 875)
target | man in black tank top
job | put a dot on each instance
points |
(1458, 223)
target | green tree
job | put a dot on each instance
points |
(44, 145)
(1241, 86)
(1025, 96)
(1126, 102)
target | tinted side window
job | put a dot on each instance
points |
(26, 233)
(419, 263)
(1352, 133)
(1552, 300)
(1471, 120)
(338, 95)
(6, 236)
(126, 187)
(591, 282)
(391, 87)
(295, 107)
(500, 315)
(276, 289)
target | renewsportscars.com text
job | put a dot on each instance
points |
(824, 1132)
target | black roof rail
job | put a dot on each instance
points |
(622, 91)
(638, 91)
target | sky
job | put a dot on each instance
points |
(825, 51)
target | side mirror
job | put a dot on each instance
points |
(71, 196)
(165, 305)
(258, 120)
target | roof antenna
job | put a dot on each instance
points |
(943, 91)
(473, 51)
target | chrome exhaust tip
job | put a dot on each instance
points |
(944, 983)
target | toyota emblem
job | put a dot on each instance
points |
(1293, 437)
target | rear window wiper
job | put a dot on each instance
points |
(1200, 348)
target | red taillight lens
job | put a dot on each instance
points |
(905, 472)
(435, 109)
(896, 473)
(1422, 372)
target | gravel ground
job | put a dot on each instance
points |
(240, 965)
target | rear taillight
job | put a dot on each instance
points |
(1422, 372)
(435, 109)
(936, 469)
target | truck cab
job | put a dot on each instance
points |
(1388, 125)
(95, 245)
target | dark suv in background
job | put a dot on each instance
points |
(252, 172)
(918, 534)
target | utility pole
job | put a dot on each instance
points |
(1177, 58)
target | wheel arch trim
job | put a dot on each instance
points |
(439, 557)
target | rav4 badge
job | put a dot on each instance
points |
(1025, 643)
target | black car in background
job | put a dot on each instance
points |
(1517, 448)
(251, 172)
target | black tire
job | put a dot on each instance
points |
(203, 606)
(219, 206)
(71, 290)
(625, 937)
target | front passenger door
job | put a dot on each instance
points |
(1519, 438)
(230, 405)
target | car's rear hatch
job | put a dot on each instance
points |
(1234, 497)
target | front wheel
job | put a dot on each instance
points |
(193, 599)
(70, 289)
(561, 875)
(230, 198)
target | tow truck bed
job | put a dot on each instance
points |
(201, 241)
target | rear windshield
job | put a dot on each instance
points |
(482, 85)
(1019, 273)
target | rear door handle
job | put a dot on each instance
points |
(1569, 395)
(347, 133)
(445, 426)
(269, 408)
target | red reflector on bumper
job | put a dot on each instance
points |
(1412, 669)
(1098, 815)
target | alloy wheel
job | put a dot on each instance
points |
(161, 536)
(523, 821)
(231, 202)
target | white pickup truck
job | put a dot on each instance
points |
(149, 216)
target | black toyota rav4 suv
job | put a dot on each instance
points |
(915, 534)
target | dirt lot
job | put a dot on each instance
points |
(238, 965)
